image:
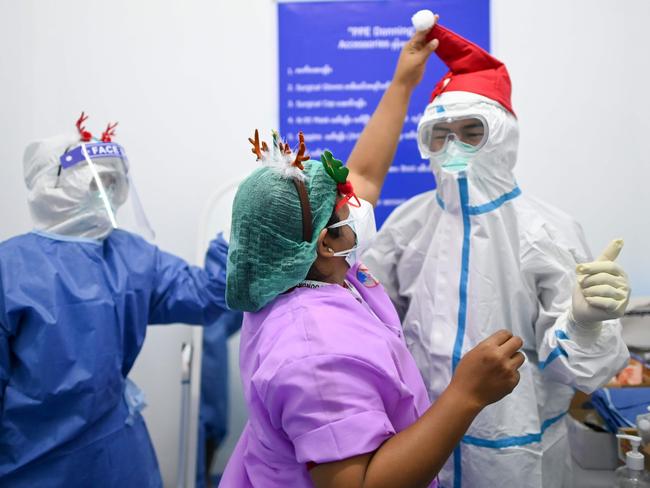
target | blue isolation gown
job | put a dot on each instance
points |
(214, 407)
(73, 318)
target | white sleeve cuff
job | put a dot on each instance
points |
(583, 334)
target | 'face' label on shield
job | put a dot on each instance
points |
(95, 150)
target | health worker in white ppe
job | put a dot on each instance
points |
(477, 255)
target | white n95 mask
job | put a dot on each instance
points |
(362, 223)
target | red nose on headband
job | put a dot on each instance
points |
(334, 168)
(347, 191)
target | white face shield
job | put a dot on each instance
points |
(102, 185)
(78, 192)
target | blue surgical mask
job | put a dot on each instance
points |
(96, 197)
(456, 156)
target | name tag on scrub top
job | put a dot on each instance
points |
(348, 286)
(95, 150)
(319, 284)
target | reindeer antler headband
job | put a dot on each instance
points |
(86, 136)
(291, 166)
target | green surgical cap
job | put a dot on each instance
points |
(267, 254)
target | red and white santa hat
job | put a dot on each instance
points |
(471, 69)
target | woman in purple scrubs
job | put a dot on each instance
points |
(333, 394)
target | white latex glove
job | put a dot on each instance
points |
(602, 291)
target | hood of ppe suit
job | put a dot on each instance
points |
(65, 201)
(490, 170)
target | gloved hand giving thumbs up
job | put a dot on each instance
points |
(602, 291)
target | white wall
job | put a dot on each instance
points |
(184, 81)
(581, 73)
(188, 80)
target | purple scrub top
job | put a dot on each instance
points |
(326, 377)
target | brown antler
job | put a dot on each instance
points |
(107, 135)
(85, 135)
(257, 150)
(301, 156)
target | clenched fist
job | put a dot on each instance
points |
(489, 372)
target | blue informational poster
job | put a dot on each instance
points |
(336, 60)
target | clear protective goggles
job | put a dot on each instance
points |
(102, 168)
(434, 136)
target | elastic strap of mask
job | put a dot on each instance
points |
(345, 253)
(100, 186)
(306, 209)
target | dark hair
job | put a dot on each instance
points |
(313, 273)
(334, 219)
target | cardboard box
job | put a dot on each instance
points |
(602, 450)
(599, 450)
(591, 449)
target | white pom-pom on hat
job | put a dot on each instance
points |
(423, 20)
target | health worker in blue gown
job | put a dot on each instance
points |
(76, 296)
(214, 408)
